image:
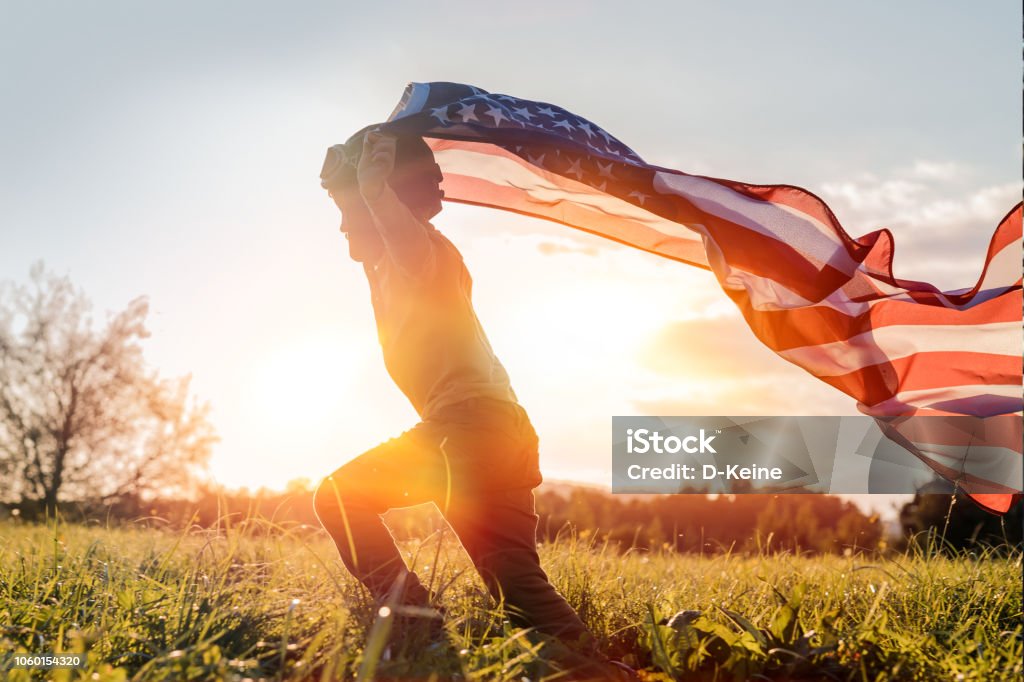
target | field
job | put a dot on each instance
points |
(254, 601)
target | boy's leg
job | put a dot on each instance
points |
(402, 472)
(499, 531)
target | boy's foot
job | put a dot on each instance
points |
(680, 619)
(588, 664)
(417, 625)
(604, 670)
(625, 672)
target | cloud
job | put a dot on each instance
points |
(873, 196)
(941, 224)
(929, 198)
(937, 170)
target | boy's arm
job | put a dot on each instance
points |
(405, 236)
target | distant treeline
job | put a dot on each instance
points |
(683, 523)
(703, 524)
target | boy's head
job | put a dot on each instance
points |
(415, 180)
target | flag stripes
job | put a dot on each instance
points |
(818, 297)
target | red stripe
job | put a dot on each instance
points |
(1009, 230)
(1000, 504)
(876, 249)
(812, 326)
(772, 259)
(471, 190)
(754, 252)
(740, 246)
(969, 483)
(876, 383)
(1003, 431)
(782, 263)
(1006, 233)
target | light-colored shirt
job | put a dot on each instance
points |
(434, 347)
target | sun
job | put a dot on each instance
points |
(305, 382)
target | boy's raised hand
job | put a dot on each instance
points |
(376, 163)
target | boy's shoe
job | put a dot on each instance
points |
(626, 673)
(417, 626)
(587, 665)
(680, 619)
(606, 670)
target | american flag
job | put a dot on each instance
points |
(818, 297)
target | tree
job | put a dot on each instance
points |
(957, 522)
(81, 415)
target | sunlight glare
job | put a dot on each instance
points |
(306, 383)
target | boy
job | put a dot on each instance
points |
(474, 452)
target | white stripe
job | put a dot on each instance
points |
(762, 289)
(788, 225)
(899, 341)
(767, 294)
(797, 229)
(926, 398)
(1005, 269)
(816, 241)
(503, 171)
(1002, 466)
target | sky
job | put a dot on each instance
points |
(171, 149)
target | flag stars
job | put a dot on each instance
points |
(640, 196)
(574, 169)
(468, 113)
(441, 114)
(497, 114)
(563, 123)
(547, 111)
(524, 112)
(605, 171)
(585, 127)
(536, 160)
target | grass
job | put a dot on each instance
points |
(257, 601)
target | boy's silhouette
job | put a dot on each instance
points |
(474, 452)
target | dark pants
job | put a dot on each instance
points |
(478, 462)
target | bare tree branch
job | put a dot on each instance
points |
(81, 414)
